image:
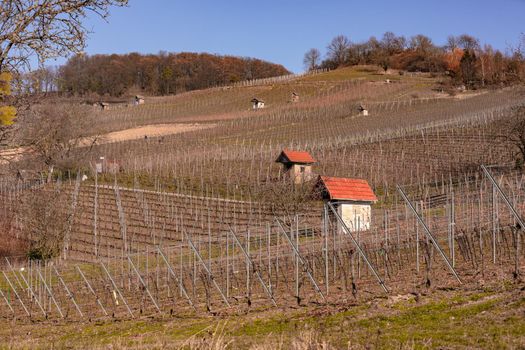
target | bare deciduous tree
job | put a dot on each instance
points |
(338, 49)
(56, 136)
(285, 199)
(50, 28)
(312, 59)
(513, 131)
(43, 221)
(468, 42)
(421, 43)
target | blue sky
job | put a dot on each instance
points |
(281, 31)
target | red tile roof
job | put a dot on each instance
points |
(348, 189)
(288, 156)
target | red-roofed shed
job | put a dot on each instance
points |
(338, 188)
(351, 197)
(298, 157)
(297, 165)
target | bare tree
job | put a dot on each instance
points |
(452, 43)
(468, 42)
(56, 136)
(286, 199)
(513, 131)
(42, 80)
(43, 221)
(393, 44)
(338, 49)
(41, 29)
(421, 43)
(51, 28)
(312, 59)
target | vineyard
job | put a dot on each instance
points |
(156, 252)
(203, 222)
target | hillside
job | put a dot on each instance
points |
(190, 221)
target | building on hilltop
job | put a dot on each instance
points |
(257, 103)
(297, 165)
(139, 100)
(351, 198)
(362, 110)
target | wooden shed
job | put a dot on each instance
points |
(139, 100)
(257, 103)
(352, 198)
(297, 165)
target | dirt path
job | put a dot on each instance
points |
(151, 131)
(156, 130)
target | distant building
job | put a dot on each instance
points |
(101, 105)
(139, 100)
(297, 165)
(352, 198)
(104, 165)
(295, 97)
(362, 110)
(257, 103)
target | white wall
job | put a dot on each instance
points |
(356, 216)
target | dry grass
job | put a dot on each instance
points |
(491, 317)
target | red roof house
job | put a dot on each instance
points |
(352, 198)
(296, 157)
(297, 165)
(343, 189)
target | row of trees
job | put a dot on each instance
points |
(463, 57)
(161, 74)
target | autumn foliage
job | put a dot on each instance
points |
(161, 74)
(7, 113)
(462, 57)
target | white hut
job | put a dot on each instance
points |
(139, 100)
(101, 105)
(352, 198)
(257, 103)
(362, 110)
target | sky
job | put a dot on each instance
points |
(281, 31)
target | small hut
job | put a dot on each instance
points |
(139, 100)
(106, 166)
(257, 103)
(295, 97)
(362, 110)
(101, 105)
(297, 165)
(352, 199)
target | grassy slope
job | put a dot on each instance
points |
(480, 318)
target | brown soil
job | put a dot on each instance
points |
(155, 130)
(151, 131)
